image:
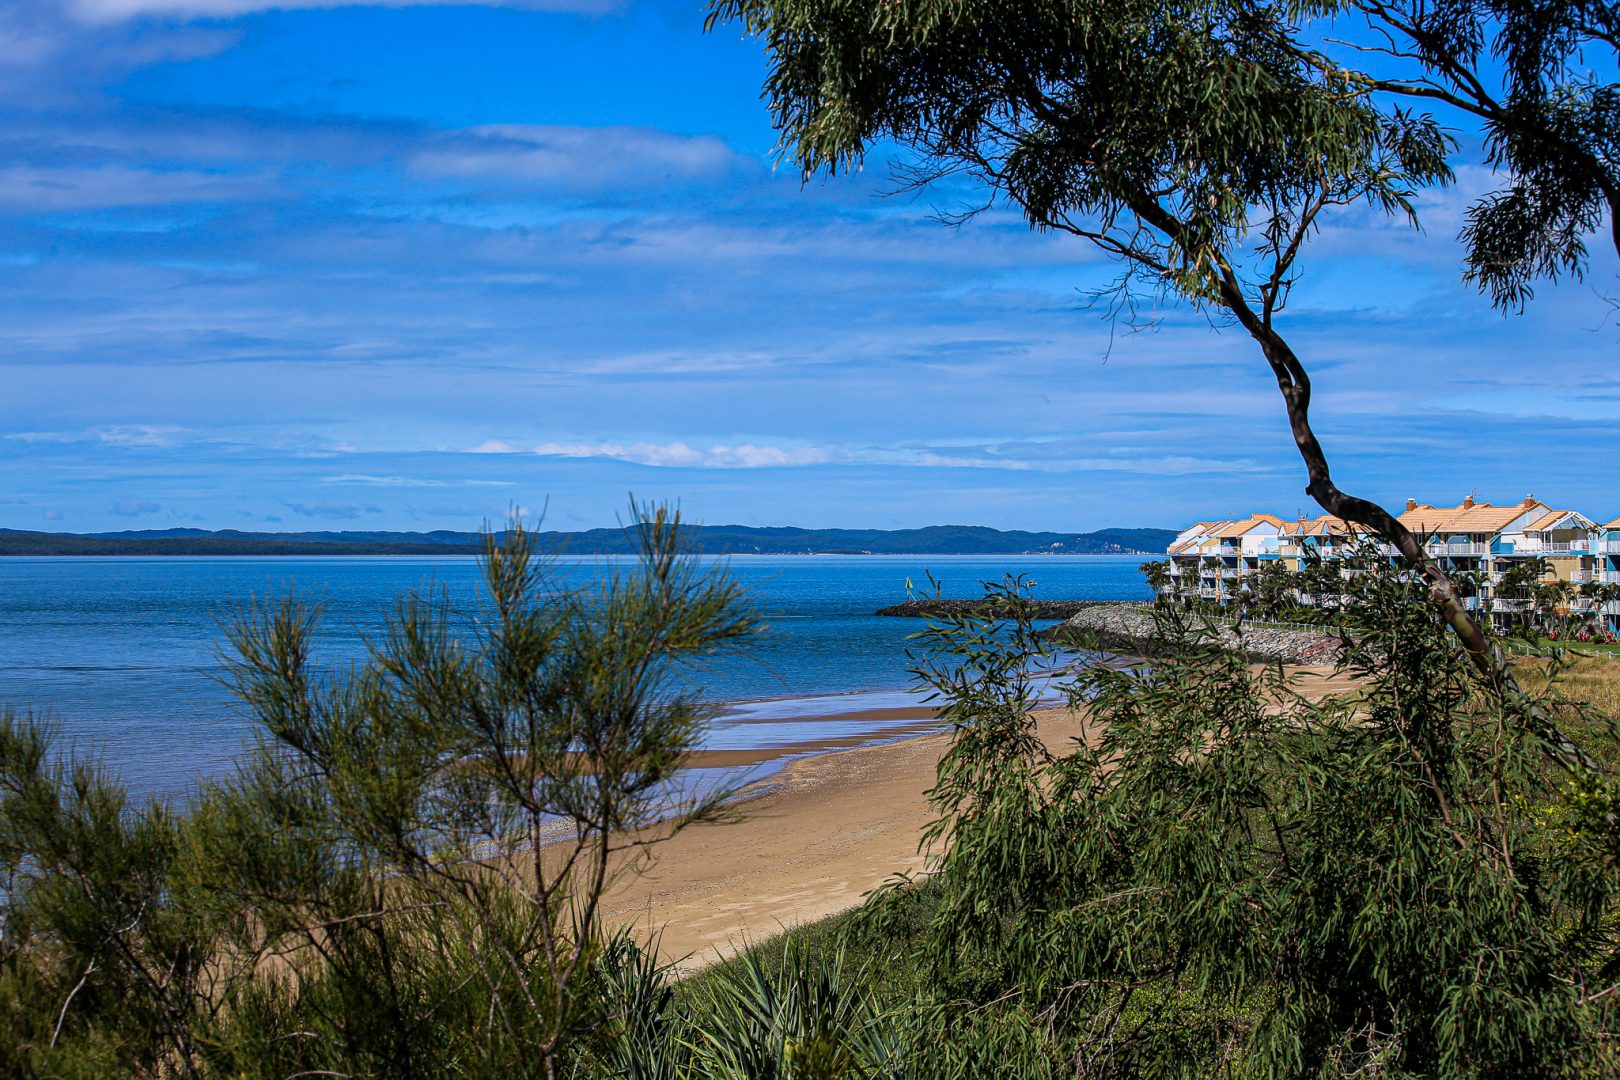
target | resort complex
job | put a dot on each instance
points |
(1521, 562)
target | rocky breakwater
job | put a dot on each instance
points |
(931, 609)
(1130, 628)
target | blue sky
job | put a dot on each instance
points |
(390, 266)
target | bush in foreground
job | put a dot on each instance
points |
(403, 879)
(1220, 878)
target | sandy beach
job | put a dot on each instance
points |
(828, 829)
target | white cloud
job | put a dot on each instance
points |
(1155, 466)
(118, 10)
(334, 511)
(1006, 458)
(116, 435)
(680, 455)
(368, 480)
(751, 456)
(546, 154)
(45, 189)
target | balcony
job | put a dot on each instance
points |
(1610, 546)
(1453, 549)
(1552, 547)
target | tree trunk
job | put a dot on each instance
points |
(1488, 659)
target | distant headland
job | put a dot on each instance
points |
(705, 539)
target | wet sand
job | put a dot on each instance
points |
(871, 726)
(826, 830)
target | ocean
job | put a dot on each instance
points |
(123, 653)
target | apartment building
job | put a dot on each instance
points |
(1478, 543)
(1211, 559)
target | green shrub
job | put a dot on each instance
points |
(1225, 876)
(403, 879)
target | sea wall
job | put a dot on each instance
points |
(928, 609)
(1130, 627)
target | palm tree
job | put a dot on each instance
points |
(1522, 580)
(1157, 573)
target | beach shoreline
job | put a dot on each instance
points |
(810, 841)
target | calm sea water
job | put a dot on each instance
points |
(123, 653)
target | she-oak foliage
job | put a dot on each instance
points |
(403, 878)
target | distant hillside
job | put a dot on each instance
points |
(709, 539)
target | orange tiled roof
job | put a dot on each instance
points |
(1327, 524)
(1238, 528)
(1467, 516)
(1196, 536)
(1615, 524)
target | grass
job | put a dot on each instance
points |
(1597, 682)
(1591, 648)
(1581, 680)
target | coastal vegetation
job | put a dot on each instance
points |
(404, 878)
(1219, 876)
(1265, 126)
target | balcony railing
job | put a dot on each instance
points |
(1452, 548)
(1552, 547)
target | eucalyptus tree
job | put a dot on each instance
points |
(1194, 141)
(1220, 876)
(1537, 77)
